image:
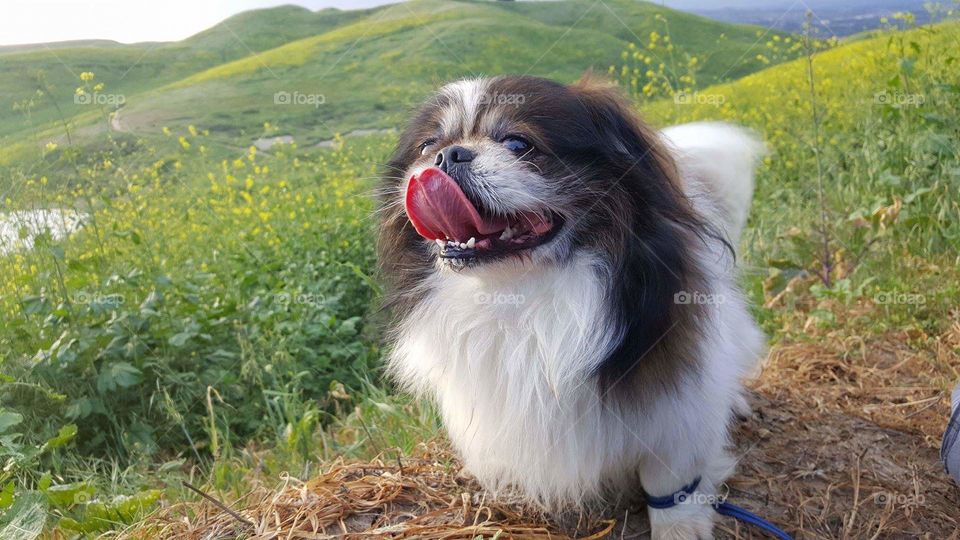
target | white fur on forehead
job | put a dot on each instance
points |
(465, 98)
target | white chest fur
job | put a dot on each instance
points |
(509, 363)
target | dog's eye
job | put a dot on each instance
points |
(515, 143)
(425, 145)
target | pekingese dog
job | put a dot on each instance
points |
(563, 284)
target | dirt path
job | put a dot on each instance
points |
(330, 143)
(115, 123)
(830, 475)
(844, 440)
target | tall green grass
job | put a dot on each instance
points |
(207, 302)
(873, 127)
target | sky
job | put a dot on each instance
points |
(129, 21)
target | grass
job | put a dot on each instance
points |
(153, 310)
(888, 147)
(215, 322)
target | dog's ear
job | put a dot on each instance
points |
(618, 125)
(655, 230)
(628, 141)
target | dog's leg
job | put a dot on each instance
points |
(692, 518)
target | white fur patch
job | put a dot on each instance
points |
(508, 185)
(508, 353)
(465, 96)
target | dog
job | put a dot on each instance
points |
(562, 284)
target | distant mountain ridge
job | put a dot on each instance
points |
(830, 18)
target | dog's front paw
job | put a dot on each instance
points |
(684, 522)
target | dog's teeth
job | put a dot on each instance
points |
(471, 242)
(463, 245)
(507, 233)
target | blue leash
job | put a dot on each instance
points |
(736, 512)
(723, 508)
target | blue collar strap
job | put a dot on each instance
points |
(678, 497)
(722, 508)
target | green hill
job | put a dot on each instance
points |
(261, 29)
(362, 69)
(132, 69)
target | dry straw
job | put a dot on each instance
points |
(422, 497)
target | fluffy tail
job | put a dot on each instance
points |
(720, 158)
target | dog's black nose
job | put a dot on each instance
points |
(453, 155)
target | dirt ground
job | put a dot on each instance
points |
(843, 443)
(844, 440)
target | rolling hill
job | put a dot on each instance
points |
(135, 68)
(363, 68)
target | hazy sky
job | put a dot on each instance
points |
(127, 21)
(35, 21)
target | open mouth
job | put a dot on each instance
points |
(440, 211)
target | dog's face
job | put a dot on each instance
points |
(517, 167)
(486, 172)
(514, 172)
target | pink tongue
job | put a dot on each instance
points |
(438, 209)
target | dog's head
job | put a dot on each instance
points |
(511, 173)
(522, 167)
